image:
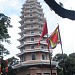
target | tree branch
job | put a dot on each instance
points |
(62, 12)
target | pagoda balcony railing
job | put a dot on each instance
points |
(29, 29)
(28, 35)
(32, 50)
(33, 7)
(28, 11)
(29, 3)
(29, 22)
(31, 17)
(33, 11)
(36, 62)
(31, 42)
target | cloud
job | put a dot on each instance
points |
(10, 6)
(68, 4)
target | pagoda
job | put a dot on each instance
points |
(34, 59)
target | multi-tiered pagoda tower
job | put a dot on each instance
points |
(34, 59)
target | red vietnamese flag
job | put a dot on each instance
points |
(55, 37)
(44, 31)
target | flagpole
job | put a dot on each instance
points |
(62, 59)
(61, 49)
(49, 59)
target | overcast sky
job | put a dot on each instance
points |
(12, 8)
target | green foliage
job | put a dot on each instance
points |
(59, 57)
(72, 55)
(4, 25)
(67, 65)
(10, 62)
(4, 36)
(13, 61)
(3, 51)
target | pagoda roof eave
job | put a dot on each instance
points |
(35, 62)
(19, 54)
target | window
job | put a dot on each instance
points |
(30, 14)
(40, 32)
(23, 58)
(31, 10)
(32, 32)
(38, 19)
(31, 19)
(53, 73)
(44, 56)
(25, 21)
(30, 6)
(31, 26)
(32, 39)
(28, 74)
(46, 73)
(39, 74)
(39, 26)
(42, 47)
(25, 26)
(33, 56)
(32, 47)
(0, 53)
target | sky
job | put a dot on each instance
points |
(12, 8)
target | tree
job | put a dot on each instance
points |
(68, 65)
(58, 57)
(62, 12)
(4, 24)
(7, 66)
(11, 62)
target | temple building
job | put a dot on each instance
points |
(34, 59)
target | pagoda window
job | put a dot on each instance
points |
(30, 14)
(38, 19)
(24, 26)
(32, 47)
(39, 74)
(30, 6)
(31, 26)
(32, 39)
(40, 26)
(42, 47)
(32, 32)
(43, 56)
(53, 73)
(25, 21)
(28, 74)
(31, 10)
(33, 56)
(22, 58)
(0, 53)
(40, 32)
(31, 19)
(46, 73)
